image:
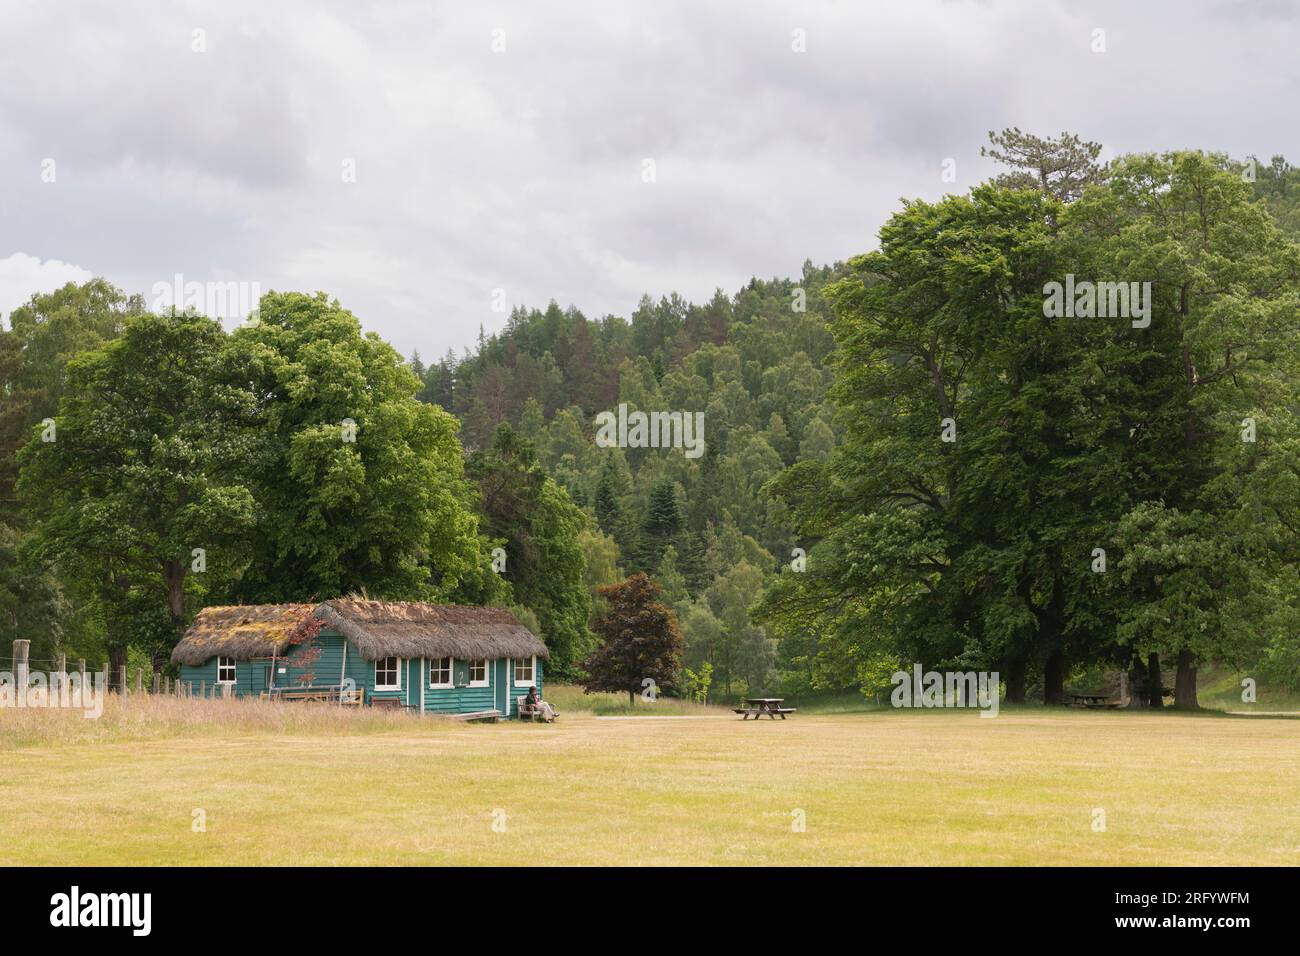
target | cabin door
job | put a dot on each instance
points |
(501, 692)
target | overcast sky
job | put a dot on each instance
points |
(524, 169)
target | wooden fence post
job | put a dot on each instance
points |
(203, 688)
(63, 663)
(121, 677)
(21, 651)
(139, 680)
(157, 681)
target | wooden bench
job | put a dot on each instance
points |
(392, 703)
(490, 716)
(529, 713)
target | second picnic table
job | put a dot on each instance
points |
(756, 707)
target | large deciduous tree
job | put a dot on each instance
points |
(360, 487)
(947, 526)
(1204, 542)
(1113, 486)
(138, 484)
(640, 640)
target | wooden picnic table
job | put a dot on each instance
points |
(1094, 700)
(756, 707)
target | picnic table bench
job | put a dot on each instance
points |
(332, 693)
(756, 707)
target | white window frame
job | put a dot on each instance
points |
(486, 680)
(451, 673)
(397, 669)
(234, 672)
(532, 672)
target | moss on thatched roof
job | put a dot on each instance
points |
(375, 628)
(243, 632)
(391, 629)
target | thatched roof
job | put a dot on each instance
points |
(375, 628)
(388, 629)
(243, 632)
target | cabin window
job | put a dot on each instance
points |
(440, 672)
(524, 671)
(225, 670)
(388, 673)
(478, 673)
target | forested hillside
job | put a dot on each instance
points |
(754, 363)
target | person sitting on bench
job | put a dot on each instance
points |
(538, 706)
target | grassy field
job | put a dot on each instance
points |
(316, 785)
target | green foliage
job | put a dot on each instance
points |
(696, 685)
(187, 466)
(663, 520)
(1072, 434)
(753, 363)
(1059, 167)
(360, 487)
(144, 468)
(540, 529)
(45, 334)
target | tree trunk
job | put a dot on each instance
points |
(116, 661)
(1054, 678)
(1185, 682)
(1155, 684)
(631, 698)
(1016, 681)
(173, 574)
(1137, 683)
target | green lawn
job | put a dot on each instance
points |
(284, 784)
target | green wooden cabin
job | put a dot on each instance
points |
(432, 658)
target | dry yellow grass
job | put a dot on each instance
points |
(284, 784)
